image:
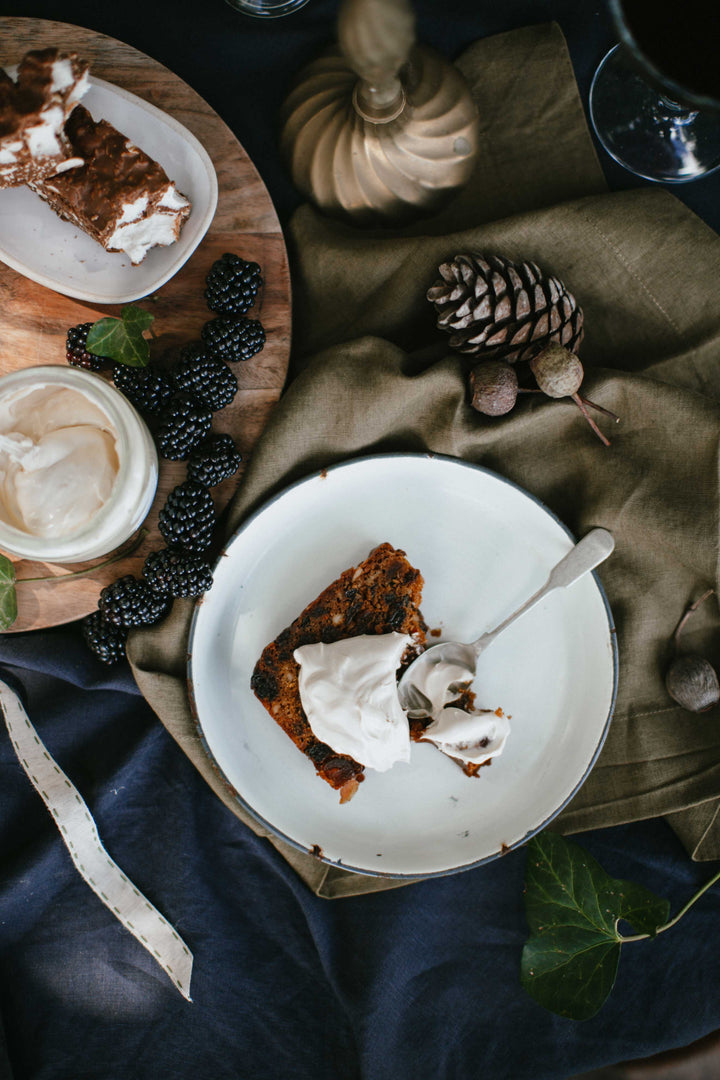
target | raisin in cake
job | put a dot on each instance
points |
(119, 196)
(34, 107)
(380, 595)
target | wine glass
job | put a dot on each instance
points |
(655, 98)
(266, 9)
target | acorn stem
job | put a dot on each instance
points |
(688, 613)
(581, 406)
(600, 408)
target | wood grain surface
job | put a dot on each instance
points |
(34, 320)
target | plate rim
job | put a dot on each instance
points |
(235, 795)
(79, 293)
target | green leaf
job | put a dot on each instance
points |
(567, 975)
(136, 319)
(642, 909)
(8, 597)
(122, 339)
(570, 960)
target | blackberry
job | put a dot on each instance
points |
(131, 602)
(185, 422)
(233, 339)
(103, 638)
(204, 378)
(193, 351)
(179, 573)
(75, 351)
(145, 388)
(214, 460)
(232, 285)
(186, 520)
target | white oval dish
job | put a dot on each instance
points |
(55, 253)
(483, 545)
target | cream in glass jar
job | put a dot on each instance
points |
(78, 467)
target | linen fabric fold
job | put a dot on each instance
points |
(374, 374)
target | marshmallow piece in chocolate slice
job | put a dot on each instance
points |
(119, 196)
(33, 109)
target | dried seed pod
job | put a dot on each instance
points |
(559, 373)
(691, 680)
(494, 386)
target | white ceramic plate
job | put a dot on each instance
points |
(483, 546)
(37, 243)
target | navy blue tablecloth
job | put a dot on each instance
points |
(419, 982)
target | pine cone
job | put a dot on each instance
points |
(505, 310)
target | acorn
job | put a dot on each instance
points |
(559, 373)
(691, 680)
(494, 387)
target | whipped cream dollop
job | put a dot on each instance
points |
(58, 460)
(348, 689)
(471, 737)
(434, 682)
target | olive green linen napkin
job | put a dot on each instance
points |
(375, 375)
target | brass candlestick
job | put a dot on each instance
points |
(380, 129)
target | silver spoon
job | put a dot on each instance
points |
(588, 553)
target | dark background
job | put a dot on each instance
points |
(244, 66)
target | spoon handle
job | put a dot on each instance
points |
(588, 553)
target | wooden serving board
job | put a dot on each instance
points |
(34, 320)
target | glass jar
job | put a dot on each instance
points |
(132, 459)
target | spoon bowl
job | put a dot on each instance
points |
(588, 553)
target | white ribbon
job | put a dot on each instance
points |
(80, 834)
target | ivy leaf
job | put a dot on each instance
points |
(122, 339)
(136, 319)
(8, 597)
(573, 907)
